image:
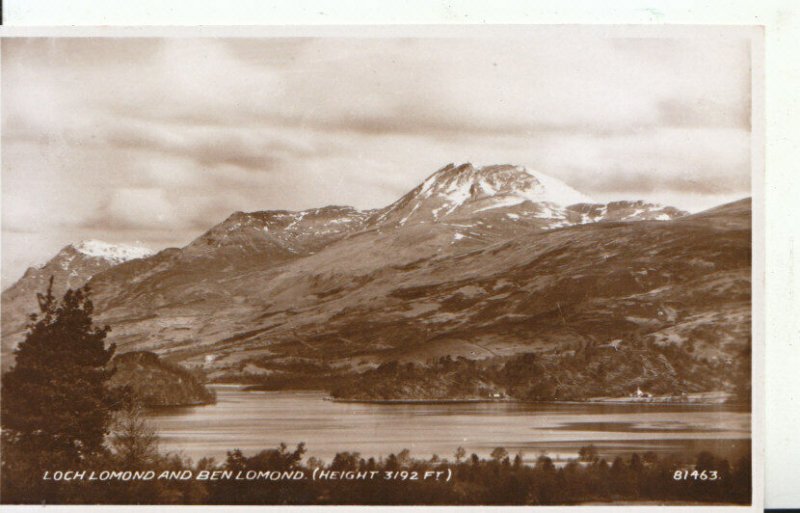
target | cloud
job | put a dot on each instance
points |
(161, 138)
(136, 208)
(209, 146)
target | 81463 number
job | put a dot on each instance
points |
(702, 475)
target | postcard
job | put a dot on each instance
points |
(452, 266)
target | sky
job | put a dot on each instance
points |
(153, 141)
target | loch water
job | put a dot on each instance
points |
(256, 420)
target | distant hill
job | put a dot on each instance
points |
(479, 263)
(158, 383)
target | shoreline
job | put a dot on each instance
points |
(417, 401)
(519, 401)
(652, 401)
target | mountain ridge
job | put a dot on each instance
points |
(267, 293)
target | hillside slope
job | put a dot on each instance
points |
(156, 382)
(479, 263)
(378, 297)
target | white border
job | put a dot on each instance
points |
(40, 11)
(380, 12)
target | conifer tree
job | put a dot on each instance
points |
(56, 407)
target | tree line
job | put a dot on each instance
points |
(573, 375)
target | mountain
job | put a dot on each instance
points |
(460, 192)
(685, 282)
(644, 296)
(70, 268)
(276, 234)
(480, 263)
(75, 264)
(465, 193)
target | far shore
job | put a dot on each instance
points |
(612, 401)
(714, 398)
(419, 401)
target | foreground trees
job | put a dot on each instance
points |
(56, 406)
(401, 480)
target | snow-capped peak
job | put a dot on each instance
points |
(113, 252)
(459, 184)
(466, 189)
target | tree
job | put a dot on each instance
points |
(56, 407)
(404, 458)
(460, 453)
(498, 453)
(134, 442)
(588, 453)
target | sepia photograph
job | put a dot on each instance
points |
(473, 266)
